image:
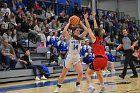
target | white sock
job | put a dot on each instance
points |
(90, 85)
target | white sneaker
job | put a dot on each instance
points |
(37, 78)
(113, 71)
(78, 89)
(90, 90)
(43, 78)
(57, 90)
(83, 63)
(102, 88)
(107, 71)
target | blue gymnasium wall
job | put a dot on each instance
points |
(59, 6)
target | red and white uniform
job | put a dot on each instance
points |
(100, 61)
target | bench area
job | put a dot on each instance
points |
(41, 56)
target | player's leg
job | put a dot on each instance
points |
(100, 77)
(61, 79)
(112, 67)
(79, 69)
(67, 66)
(88, 74)
(63, 75)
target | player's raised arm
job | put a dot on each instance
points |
(65, 32)
(94, 19)
(92, 36)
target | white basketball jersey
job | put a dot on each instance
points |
(74, 46)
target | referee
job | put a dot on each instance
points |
(128, 42)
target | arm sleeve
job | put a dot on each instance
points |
(132, 38)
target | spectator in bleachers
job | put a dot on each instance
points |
(8, 35)
(45, 23)
(61, 17)
(42, 37)
(54, 55)
(52, 24)
(62, 46)
(48, 16)
(109, 42)
(88, 57)
(111, 61)
(46, 32)
(6, 18)
(36, 26)
(37, 8)
(20, 10)
(8, 54)
(5, 9)
(82, 49)
(116, 41)
(28, 63)
(55, 39)
(12, 18)
(87, 46)
(30, 5)
(50, 39)
(2, 28)
(30, 24)
(19, 19)
(14, 39)
(19, 3)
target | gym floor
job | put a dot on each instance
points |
(113, 84)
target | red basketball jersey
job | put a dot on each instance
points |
(98, 47)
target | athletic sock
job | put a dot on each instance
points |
(59, 85)
(77, 83)
(90, 85)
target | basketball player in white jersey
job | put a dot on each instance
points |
(73, 56)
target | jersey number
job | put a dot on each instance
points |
(75, 47)
(101, 43)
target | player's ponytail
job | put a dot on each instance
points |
(99, 32)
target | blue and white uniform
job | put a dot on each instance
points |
(73, 56)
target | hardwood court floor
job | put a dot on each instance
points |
(113, 85)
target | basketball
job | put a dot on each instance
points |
(74, 20)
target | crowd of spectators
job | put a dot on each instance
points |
(21, 22)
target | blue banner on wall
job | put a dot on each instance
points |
(64, 1)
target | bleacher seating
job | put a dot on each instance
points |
(42, 55)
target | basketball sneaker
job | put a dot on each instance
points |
(107, 72)
(90, 89)
(37, 78)
(57, 90)
(78, 89)
(102, 89)
(43, 78)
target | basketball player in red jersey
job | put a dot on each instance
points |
(100, 61)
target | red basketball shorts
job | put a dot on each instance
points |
(99, 63)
